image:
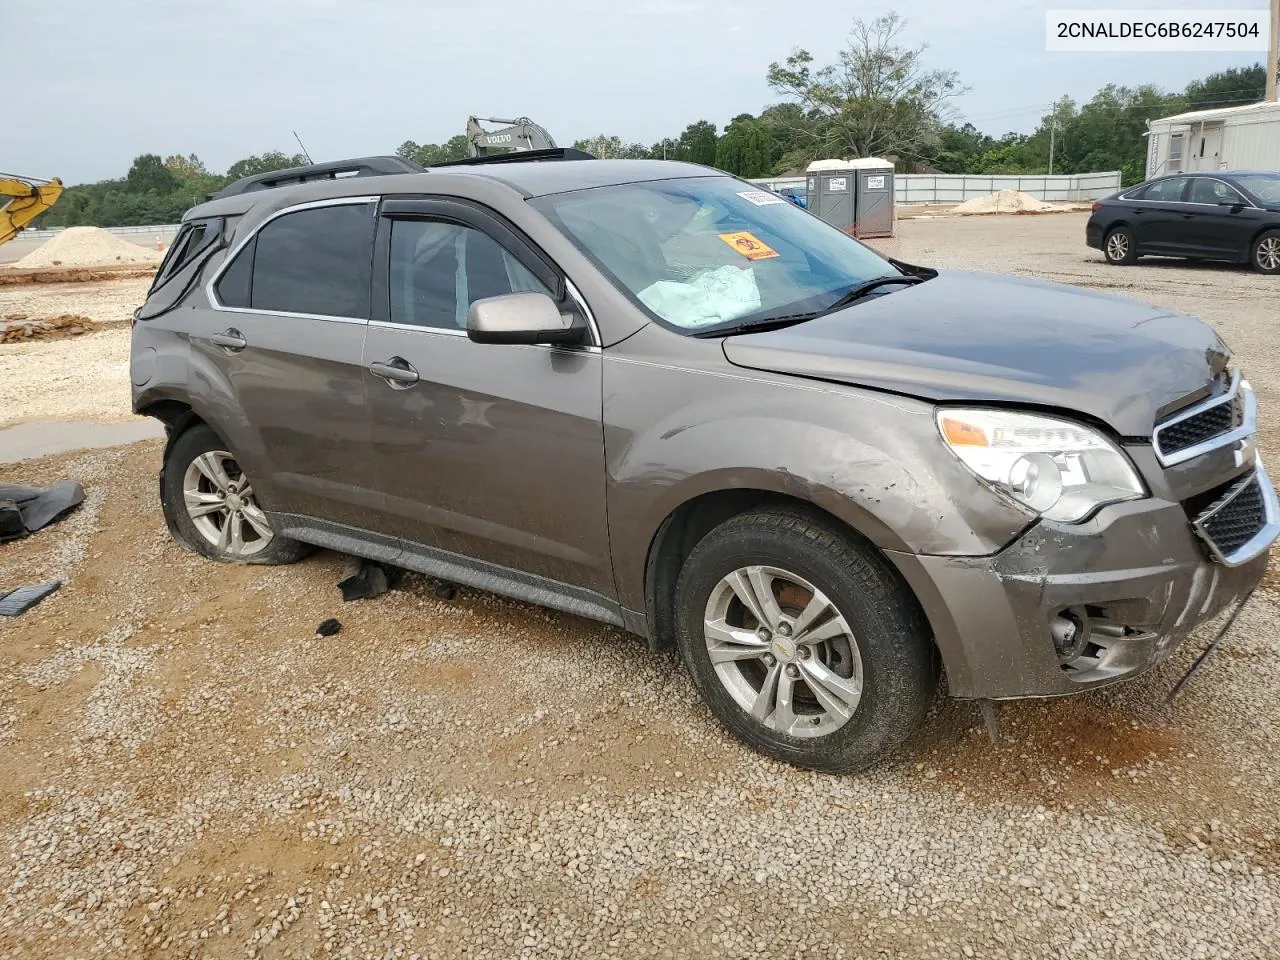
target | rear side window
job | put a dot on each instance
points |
(1169, 191)
(193, 239)
(316, 261)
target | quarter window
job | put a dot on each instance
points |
(233, 286)
(439, 269)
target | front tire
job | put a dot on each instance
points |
(803, 643)
(1264, 256)
(210, 505)
(1119, 248)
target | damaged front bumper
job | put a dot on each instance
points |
(1068, 607)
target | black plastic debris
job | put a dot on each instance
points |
(17, 602)
(35, 508)
(328, 628)
(445, 591)
(363, 580)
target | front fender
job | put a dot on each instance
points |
(874, 460)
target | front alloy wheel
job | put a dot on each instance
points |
(783, 651)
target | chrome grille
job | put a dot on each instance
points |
(1216, 422)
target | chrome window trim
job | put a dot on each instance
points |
(209, 287)
(1248, 425)
(451, 332)
(1260, 541)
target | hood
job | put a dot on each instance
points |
(983, 337)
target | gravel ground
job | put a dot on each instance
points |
(186, 770)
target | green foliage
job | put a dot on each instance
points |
(745, 149)
(455, 148)
(698, 144)
(1230, 88)
(605, 147)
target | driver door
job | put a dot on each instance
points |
(488, 455)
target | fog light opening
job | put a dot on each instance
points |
(1070, 632)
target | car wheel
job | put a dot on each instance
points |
(803, 643)
(1265, 256)
(1118, 246)
(210, 505)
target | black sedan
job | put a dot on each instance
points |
(1231, 215)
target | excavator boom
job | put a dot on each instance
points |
(518, 134)
(22, 199)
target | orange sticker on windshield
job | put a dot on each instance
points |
(749, 245)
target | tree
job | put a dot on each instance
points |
(266, 163)
(186, 168)
(697, 144)
(1230, 88)
(1107, 132)
(746, 148)
(455, 148)
(149, 173)
(877, 99)
(612, 148)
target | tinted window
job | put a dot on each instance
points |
(1211, 191)
(1265, 186)
(315, 261)
(1169, 191)
(233, 285)
(439, 269)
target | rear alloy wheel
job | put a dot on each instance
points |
(1266, 252)
(1118, 247)
(211, 507)
(804, 643)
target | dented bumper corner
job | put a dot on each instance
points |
(1069, 607)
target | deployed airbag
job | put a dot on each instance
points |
(715, 296)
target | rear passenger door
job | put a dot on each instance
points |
(491, 455)
(286, 331)
(1157, 217)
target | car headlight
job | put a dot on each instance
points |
(1060, 469)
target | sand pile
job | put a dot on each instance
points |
(86, 247)
(1006, 201)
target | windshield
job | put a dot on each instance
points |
(1264, 186)
(703, 251)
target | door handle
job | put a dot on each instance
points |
(231, 340)
(398, 372)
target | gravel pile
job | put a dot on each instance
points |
(187, 771)
(86, 247)
(1007, 201)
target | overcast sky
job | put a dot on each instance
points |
(92, 83)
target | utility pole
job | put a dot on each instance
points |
(1053, 128)
(1273, 58)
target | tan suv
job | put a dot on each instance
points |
(657, 396)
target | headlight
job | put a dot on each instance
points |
(1061, 470)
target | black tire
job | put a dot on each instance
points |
(180, 455)
(1125, 249)
(1264, 255)
(897, 656)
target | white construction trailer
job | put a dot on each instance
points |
(1228, 138)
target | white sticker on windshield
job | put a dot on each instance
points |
(761, 198)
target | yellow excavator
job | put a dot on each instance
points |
(22, 199)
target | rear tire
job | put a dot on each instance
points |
(210, 507)
(845, 671)
(1119, 248)
(1264, 255)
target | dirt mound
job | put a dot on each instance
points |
(17, 327)
(1006, 201)
(86, 247)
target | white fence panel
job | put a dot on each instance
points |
(951, 188)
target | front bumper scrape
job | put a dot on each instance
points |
(1135, 581)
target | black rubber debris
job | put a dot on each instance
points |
(445, 591)
(17, 602)
(363, 580)
(328, 628)
(35, 508)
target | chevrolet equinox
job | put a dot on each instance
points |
(658, 396)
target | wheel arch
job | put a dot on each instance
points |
(685, 526)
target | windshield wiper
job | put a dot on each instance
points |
(776, 323)
(862, 289)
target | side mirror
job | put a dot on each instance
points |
(1235, 205)
(522, 318)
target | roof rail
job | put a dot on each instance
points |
(332, 170)
(520, 156)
